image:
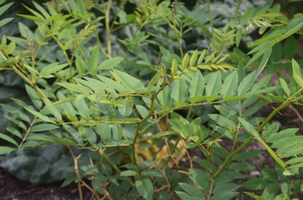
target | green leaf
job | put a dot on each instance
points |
(44, 127)
(294, 160)
(19, 123)
(214, 84)
(164, 97)
(272, 153)
(142, 111)
(66, 106)
(90, 135)
(6, 150)
(201, 56)
(240, 166)
(197, 99)
(230, 84)
(15, 111)
(95, 85)
(256, 183)
(145, 187)
(64, 141)
(139, 52)
(154, 80)
(226, 195)
(185, 61)
(227, 187)
(33, 18)
(110, 63)
(284, 86)
(253, 109)
(34, 96)
(297, 73)
(75, 87)
(174, 67)
(247, 14)
(271, 190)
(5, 7)
(41, 9)
(125, 110)
(39, 115)
(238, 37)
(94, 59)
(281, 197)
(183, 195)
(82, 108)
(24, 30)
(254, 196)
(8, 138)
(14, 132)
(179, 90)
(128, 81)
(11, 47)
(194, 192)
(152, 172)
(210, 56)
(52, 68)
(38, 136)
(293, 152)
(264, 60)
(222, 121)
(246, 155)
(31, 70)
(80, 65)
(5, 21)
(35, 13)
(74, 133)
(249, 127)
(164, 133)
(246, 83)
(196, 87)
(226, 111)
(146, 164)
(290, 47)
(269, 175)
(53, 109)
(200, 177)
(277, 52)
(81, 8)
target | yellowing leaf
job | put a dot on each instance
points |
(193, 58)
(185, 61)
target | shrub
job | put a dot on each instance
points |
(113, 83)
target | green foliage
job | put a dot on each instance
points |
(107, 91)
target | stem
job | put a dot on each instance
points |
(175, 30)
(120, 7)
(27, 132)
(141, 121)
(238, 6)
(113, 165)
(210, 18)
(228, 159)
(259, 129)
(238, 128)
(211, 189)
(107, 26)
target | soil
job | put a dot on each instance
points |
(12, 188)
